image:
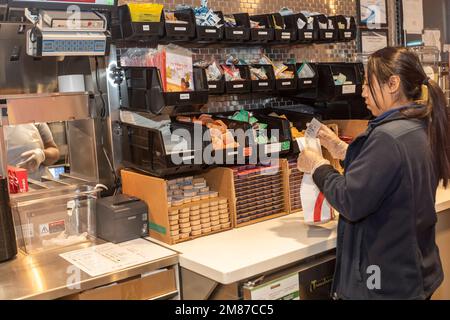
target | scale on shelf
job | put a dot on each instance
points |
(66, 32)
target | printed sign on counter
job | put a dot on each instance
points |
(110, 257)
(285, 288)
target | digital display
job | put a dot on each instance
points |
(62, 4)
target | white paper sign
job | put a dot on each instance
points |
(110, 257)
(349, 89)
(286, 288)
(413, 16)
(372, 41)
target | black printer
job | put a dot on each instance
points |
(121, 218)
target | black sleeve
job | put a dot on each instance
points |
(362, 189)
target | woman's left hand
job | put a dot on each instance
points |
(308, 161)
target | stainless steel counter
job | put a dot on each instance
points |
(47, 275)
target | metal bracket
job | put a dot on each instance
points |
(117, 75)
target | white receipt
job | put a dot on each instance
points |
(311, 132)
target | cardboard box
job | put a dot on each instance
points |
(153, 191)
(295, 181)
(346, 128)
(223, 180)
(142, 288)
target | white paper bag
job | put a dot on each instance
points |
(316, 209)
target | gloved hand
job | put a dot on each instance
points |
(308, 161)
(32, 159)
(332, 143)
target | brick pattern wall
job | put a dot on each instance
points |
(314, 53)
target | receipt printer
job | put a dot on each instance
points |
(121, 218)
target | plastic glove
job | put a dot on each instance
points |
(308, 161)
(332, 143)
(32, 160)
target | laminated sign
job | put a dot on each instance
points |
(316, 209)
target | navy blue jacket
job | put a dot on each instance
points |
(386, 201)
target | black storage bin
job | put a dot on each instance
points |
(265, 34)
(130, 30)
(304, 35)
(143, 149)
(307, 83)
(241, 154)
(283, 146)
(280, 148)
(217, 87)
(145, 91)
(198, 96)
(241, 32)
(176, 31)
(327, 35)
(329, 91)
(287, 34)
(242, 86)
(297, 118)
(211, 33)
(267, 85)
(345, 34)
(288, 85)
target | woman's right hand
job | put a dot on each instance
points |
(332, 143)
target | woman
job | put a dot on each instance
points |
(386, 198)
(31, 146)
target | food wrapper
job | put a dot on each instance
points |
(258, 73)
(230, 21)
(305, 71)
(232, 73)
(214, 72)
(145, 12)
(206, 17)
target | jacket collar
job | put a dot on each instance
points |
(391, 115)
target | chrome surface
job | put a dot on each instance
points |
(47, 275)
(33, 108)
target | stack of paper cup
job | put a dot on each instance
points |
(71, 83)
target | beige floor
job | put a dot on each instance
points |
(443, 241)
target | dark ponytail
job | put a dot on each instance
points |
(438, 129)
(405, 64)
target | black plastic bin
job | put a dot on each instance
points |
(242, 86)
(304, 35)
(144, 149)
(287, 33)
(327, 34)
(241, 32)
(145, 90)
(129, 30)
(307, 83)
(267, 85)
(280, 148)
(208, 34)
(177, 31)
(287, 85)
(242, 154)
(329, 91)
(217, 87)
(298, 120)
(345, 34)
(265, 34)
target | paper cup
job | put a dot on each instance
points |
(71, 83)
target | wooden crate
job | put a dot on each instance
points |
(253, 198)
(165, 220)
(295, 181)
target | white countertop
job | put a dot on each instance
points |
(240, 253)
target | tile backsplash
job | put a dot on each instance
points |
(339, 52)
